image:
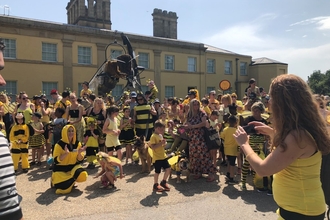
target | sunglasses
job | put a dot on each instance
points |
(25, 98)
(139, 99)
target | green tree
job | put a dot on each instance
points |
(320, 82)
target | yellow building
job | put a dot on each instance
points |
(41, 56)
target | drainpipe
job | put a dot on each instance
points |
(236, 81)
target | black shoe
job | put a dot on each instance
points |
(269, 193)
(32, 163)
(262, 190)
(91, 166)
(232, 181)
(25, 170)
(38, 163)
(165, 185)
(157, 188)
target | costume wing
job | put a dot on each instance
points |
(97, 79)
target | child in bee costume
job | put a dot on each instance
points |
(19, 137)
(68, 155)
(91, 142)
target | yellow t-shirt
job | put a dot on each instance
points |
(61, 104)
(85, 92)
(297, 188)
(159, 152)
(230, 144)
(207, 110)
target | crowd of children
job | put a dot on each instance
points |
(106, 128)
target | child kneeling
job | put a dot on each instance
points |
(157, 144)
(109, 170)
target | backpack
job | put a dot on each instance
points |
(325, 179)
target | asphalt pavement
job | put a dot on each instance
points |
(133, 198)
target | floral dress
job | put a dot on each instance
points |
(199, 156)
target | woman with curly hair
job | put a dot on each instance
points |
(299, 137)
(199, 156)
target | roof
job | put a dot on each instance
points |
(265, 60)
(105, 33)
(219, 50)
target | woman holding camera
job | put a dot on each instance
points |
(299, 139)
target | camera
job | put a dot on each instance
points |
(249, 129)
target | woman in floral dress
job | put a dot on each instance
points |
(199, 156)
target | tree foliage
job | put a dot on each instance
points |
(320, 82)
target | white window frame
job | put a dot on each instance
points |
(192, 64)
(49, 52)
(228, 67)
(84, 55)
(144, 88)
(169, 65)
(47, 87)
(117, 91)
(243, 68)
(210, 65)
(115, 53)
(10, 89)
(209, 89)
(144, 60)
(10, 49)
(169, 91)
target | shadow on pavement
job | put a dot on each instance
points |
(153, 199)
(39, 173)
(49, 196)
(94, 191)
(195, 186)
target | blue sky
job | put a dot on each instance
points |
(296, 32)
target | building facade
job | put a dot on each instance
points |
(41, 56)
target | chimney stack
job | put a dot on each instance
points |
(165, 24)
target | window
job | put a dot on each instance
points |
(115, 54)
(209, 89)
(47, 87)
(10, 49)
(49, 52)
(228, 70)
(144, 60)
(210, 65)
(192, 64)
(144, 89)
(243, 69)
(79, 88)
(10, 89)
(169, 91)
(84, 55)
(169, 62)
(117, 91)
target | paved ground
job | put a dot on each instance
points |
(134, 199)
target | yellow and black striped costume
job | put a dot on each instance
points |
(127, 134)
(67, 171)
(19, 137)
(257, 142)
(143, 117)
(154, 94)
